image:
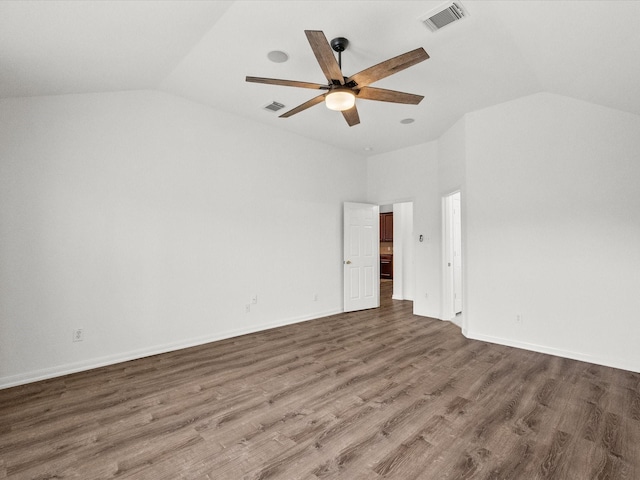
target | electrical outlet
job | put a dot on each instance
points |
(518, 318)
(254, 298)
(78, 335)
(247, 308)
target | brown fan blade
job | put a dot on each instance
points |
(388, 67)
(351, 116)
(304, 106)
(384, 95)
(287, 83)
(324, 54)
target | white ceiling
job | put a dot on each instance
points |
(202, 50)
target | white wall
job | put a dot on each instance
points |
(553, 228)
(551, 224)
(149, 222)
(403, 256)
(452, 157)
(423, 174)
(411, 175)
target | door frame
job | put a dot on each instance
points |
(403, 251)
(448, 288)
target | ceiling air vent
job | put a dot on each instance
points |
(274, 107)
(444, 15)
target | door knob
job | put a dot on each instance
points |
(348, 262)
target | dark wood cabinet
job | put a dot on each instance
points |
(386, 266)
(386, 227)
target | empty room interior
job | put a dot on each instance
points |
(464, 180)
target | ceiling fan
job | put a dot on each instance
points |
(341, 92)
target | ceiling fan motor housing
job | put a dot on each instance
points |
(339, 44)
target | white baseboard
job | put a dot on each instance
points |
(583, 357)
(66, 369)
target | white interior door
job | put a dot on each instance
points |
(457, 253)
(452, 257)
(361, 263)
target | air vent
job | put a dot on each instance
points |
(274, 107)
(444, 15)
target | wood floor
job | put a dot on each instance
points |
(368, 395)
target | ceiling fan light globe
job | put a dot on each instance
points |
(340, 100)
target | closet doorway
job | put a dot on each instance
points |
(452, 261)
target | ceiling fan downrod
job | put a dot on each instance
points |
(339, 45)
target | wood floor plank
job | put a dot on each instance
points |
(378, 394)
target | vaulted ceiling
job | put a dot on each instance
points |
(202, 50)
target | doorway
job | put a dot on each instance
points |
(452, 258)
(396, 251)
(388, 270)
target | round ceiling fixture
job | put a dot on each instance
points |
(277, 56)
(407, 121)
(340, 99)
